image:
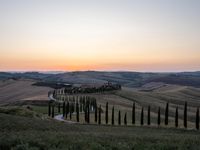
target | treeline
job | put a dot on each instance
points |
(82, 90)
(88, 105)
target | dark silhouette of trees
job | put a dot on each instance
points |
(96, 109)
(158, 116)
(149, 116)
(99, 121)
(64, 109)
(49, 108)
(58, 107)
(125, 119)
(176, 118)
(119, 117)
(197, 119)
(77, 112)
(133, 114)
(106, 115)
(166, 113)
(88, 112)
(85, 110)
(67, 110)
(52, 110)
(113, 116)
(142, 117)
(70, 111)
(185, 115)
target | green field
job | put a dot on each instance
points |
(21, 131)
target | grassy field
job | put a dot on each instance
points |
(21, 131)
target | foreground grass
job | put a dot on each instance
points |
(25, 132)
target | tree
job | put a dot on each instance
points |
(77, 112)
(176, 118)
(106, 117)
(64, 109)
(96, 109)
(142, 117)
(119, 117)
(53, 111)
(88, 117)
(67, 109)
(133, 114)
(158, 116)
(197, 119)
(149, 116)
(99, 121)
(85, 110)
(58, 107)
(185, 115)
(166, 113)
(125, 119)
(49, 108)
(113, 116)
(70, 111)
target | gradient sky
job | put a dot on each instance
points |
(134, 35)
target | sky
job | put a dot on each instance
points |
(110, 35)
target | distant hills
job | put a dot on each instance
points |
(128, 79)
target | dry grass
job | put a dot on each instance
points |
(15, 90)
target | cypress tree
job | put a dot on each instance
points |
(70, 111)
(85, 110)
(185, 115)
(113, 116)
(88, 113)
(159, 116)
(49, 108)
(119, 118)
(96, 109)
(67, 109)
(106, 117)
(133, 114)
(149, 116)
(81, 104)
(53, 111)
(77, 112)
(64, 109)
(125, 119)
(176, 118)
(58, 107)
(99, 121)
(197, 119)
(166, 113)
(142, 117)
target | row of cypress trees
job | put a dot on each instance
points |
(69, 108)
(149, 116)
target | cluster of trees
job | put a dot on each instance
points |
(89, 104)
(86, 89)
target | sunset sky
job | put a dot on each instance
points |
(116, 35)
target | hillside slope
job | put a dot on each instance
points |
(15, 90)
